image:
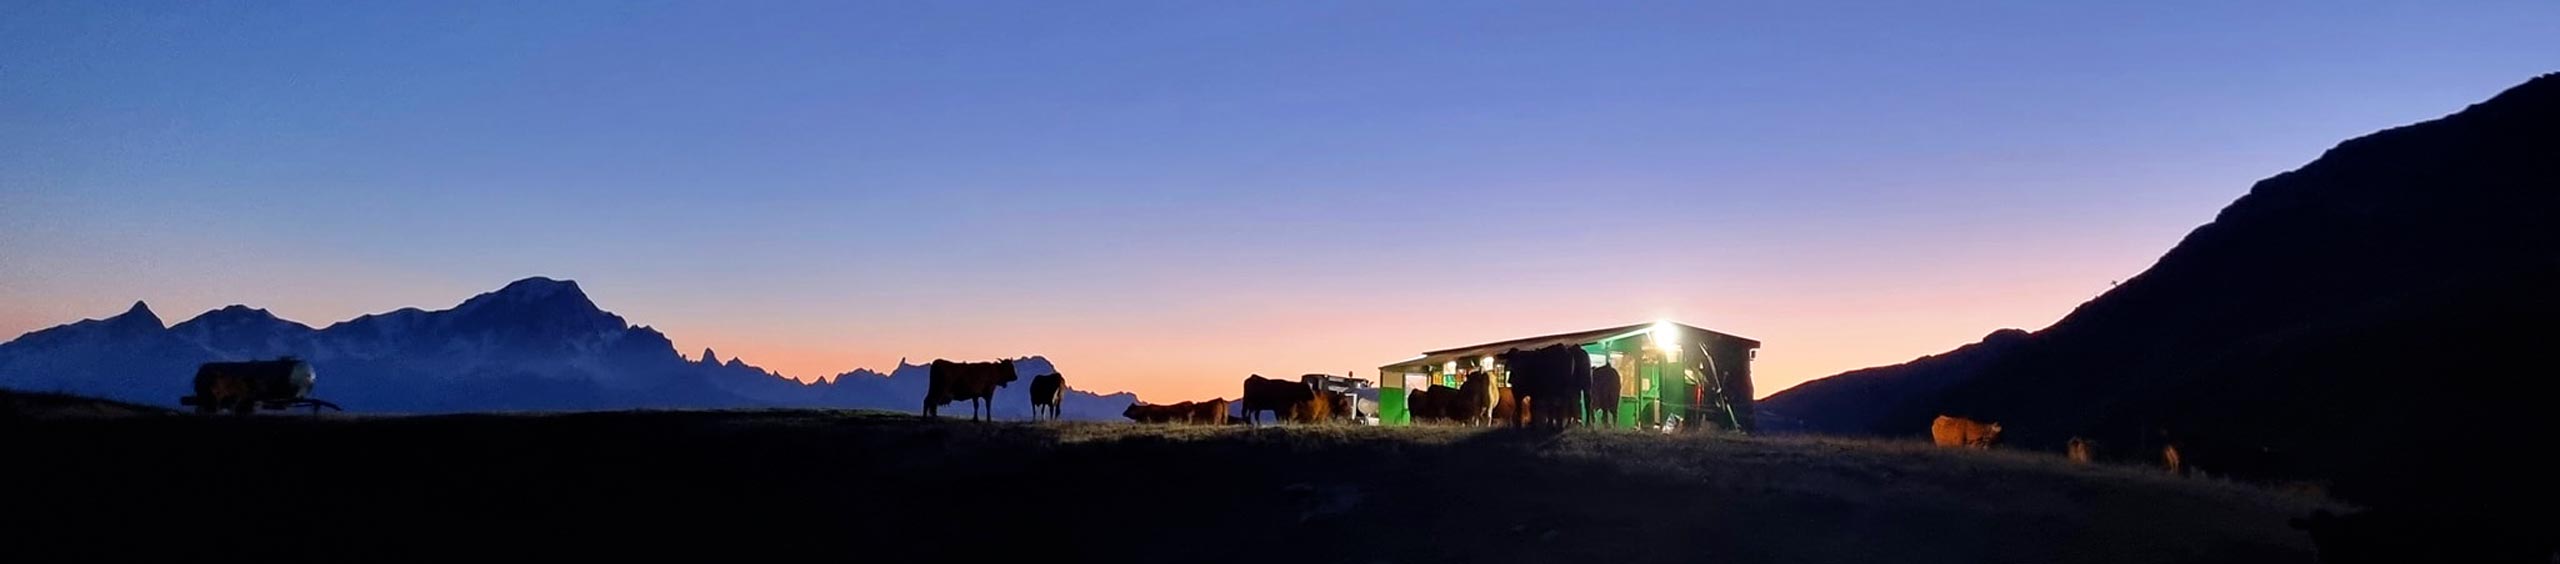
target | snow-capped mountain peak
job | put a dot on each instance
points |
(535, 344)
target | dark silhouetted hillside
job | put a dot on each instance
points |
(2378, 317)
(1857, 402)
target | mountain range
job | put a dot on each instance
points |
(2376, 320)
(535, 344)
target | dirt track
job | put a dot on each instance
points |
(870, 486)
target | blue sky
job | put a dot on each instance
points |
(1166, 196)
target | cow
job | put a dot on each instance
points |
(1280, 397)
(2192, 454)
(1433, 403)
(1147, 413)
(1212, 412)
(2399, 535)
(1603, 395)
(1048, 391)
(1507, 409)
(1319, 407)
(973, 381)
(1550, 381)
(1476, 398)
(1962, 432)
(2079, 450)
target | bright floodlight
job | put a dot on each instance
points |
(1665, 336)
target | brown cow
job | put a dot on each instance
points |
(1280, 397)
(2079, 450)
(1146, 413)
(1507, 408)
(1962, 432)
(1318, 408)
(1212, 412)
(974, 381)
(1048, 391)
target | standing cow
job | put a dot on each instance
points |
(973, 381)
(1961, 432)
(1604, 395)
(1476, 399)
(1048, 391)
(1550, 381)
(1507, 409)
(1436, 403)
(1282, 398)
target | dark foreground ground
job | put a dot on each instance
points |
(846, 486)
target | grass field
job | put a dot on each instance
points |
(855, 486)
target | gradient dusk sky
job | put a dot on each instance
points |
(1165, 197)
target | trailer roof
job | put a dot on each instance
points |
(1435, 358)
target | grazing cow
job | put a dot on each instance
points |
(1212, 412)
(1603, 395)
(2397, 536)
(1048, 391)
(1962, 432)
(973, 381)
(1476, 398)
(1550, 381)
(1146, 413)
(1280, 397)
(2079, 450)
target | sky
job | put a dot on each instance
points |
(1164, 197)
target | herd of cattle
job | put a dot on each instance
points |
(2372, 535)
(1305, 401)
(2182, 455)
(1549, 387)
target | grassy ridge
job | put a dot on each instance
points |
(877, 486)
